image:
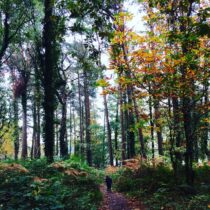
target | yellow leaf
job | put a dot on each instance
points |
(102, 83)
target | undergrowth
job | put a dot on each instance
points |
(46, 187)
(157, 188)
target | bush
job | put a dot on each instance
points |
(45, 187)
(145, 178)
(202, 174)
(199, 202)
(158, 188)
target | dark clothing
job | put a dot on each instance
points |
(108, 181)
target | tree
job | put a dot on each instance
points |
(11, 22)
(4, 117)
(48, 78)
(161, 70)
(109, 133)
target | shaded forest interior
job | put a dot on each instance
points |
(94, 85)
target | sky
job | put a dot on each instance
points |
(136, 23)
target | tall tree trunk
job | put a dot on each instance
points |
(140, 132)
(158, 127)
(122, 123)
(194, 116)
(205, 132)
(177, 135)
(63, 143)
(37, 104)
(196, 149)
(87, 120)
(151, 123)
(37, 149)
(80, 119)
(48, 79)
(6, 31)
(109, 137)
(24, 153)
(172, 141)
(56, 134)
(83, 128)
(116, 132)
(131, 122)
(70, 129)
(126, 125)
(176, 114)
(16, 128)
(189, 140)
(34, 129)
(76, 148)
(187, 111)
(187, 107)
(103, 140)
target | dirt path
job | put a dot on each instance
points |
(117, 201)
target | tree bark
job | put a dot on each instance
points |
(37, 149)
(56, 134)
(70, 129)
(63, 131)
(87, 120)
(109, 137)
(158, 127)
(130, 122)
(123, 137)
(24, 152)
(116, 132)
(80, 119)
(151, 123)
(103, 141)
(48, 80)
(205, 133)
(141, 137)
(6, 29)
(189, 140)
(16, 128)
(34, 130)
(126, 126)
(76, 148)
(37, 104)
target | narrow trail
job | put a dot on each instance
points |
(117, 201)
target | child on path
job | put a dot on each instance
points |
(108, 181)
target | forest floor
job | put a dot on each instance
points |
(117, 201)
